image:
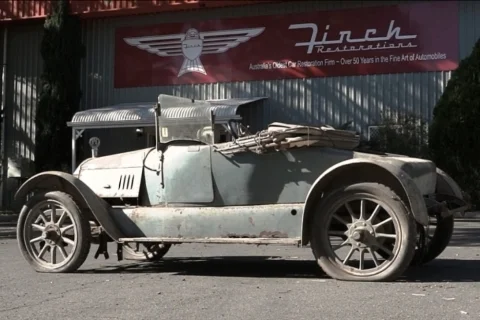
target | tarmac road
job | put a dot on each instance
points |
(240, 282)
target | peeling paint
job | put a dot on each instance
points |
(247, 222)
(273, 234)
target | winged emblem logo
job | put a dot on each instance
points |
(192, 44)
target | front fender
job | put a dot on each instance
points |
(366, 170)
(81, 193)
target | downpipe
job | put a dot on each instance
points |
(3, 116)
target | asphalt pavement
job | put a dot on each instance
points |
(240, 282)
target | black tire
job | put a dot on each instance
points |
(402, 219)
(153, 252)
(440, 239)
(80, 224)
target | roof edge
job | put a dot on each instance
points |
(21, 10)
(143, 114)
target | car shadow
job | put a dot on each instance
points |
(232, 266)
(440, 270)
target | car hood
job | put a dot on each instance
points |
(131, 159)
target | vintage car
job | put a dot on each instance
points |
(366, 216)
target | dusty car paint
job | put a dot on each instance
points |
(190, 190)
(265, 221)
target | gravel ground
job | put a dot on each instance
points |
(240, 282)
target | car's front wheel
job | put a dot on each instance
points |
(353, 224)
(52, 233)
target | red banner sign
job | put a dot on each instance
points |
(395, 39)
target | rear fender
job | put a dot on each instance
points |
(81, 193)
(365, 170)
(446, 186)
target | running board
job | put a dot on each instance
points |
(282, 241)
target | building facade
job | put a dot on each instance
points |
(360, 86)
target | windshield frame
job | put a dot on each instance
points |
(171, 125)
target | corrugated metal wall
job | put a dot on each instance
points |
(333, 100)
(329, 100)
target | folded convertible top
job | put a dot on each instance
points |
(281, 136)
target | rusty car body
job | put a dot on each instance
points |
(286, 185)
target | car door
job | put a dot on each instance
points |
(187, 174)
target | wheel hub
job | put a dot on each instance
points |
(360, 234)
(357, 235)
(51, 234)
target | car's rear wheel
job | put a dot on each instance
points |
(362, 220)
(152, 251)
(52, 233)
